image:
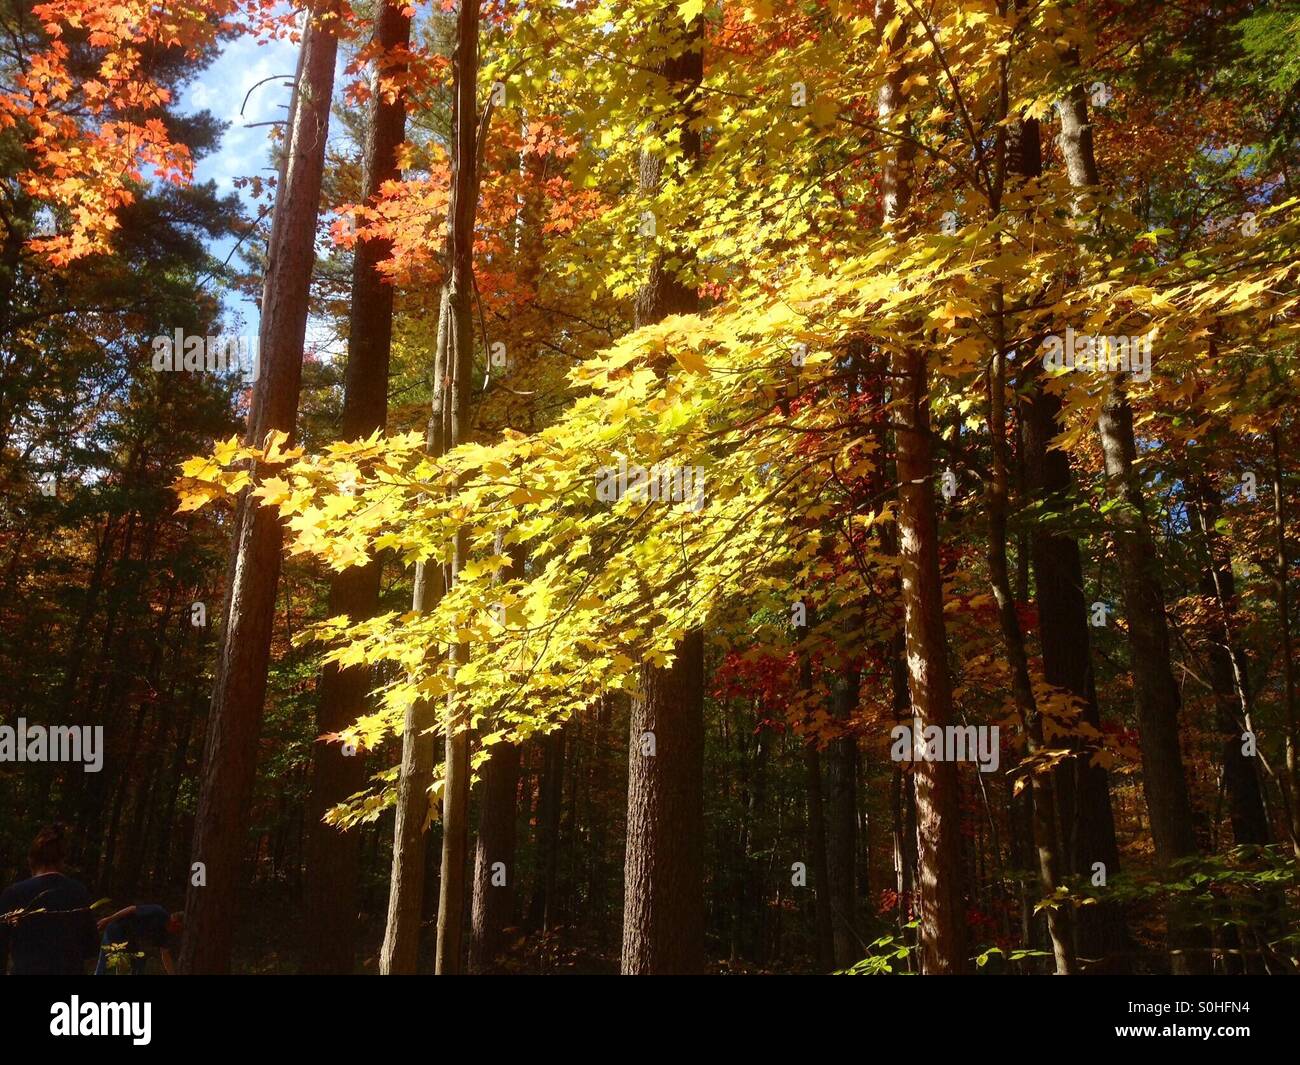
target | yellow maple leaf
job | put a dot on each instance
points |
(692, 361)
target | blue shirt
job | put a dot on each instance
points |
(147, 927)
(46, 927)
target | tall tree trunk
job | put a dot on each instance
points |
(1019, 158)
(1280, 563)
(597, 867)
(493, 902)
(332, 856)
(823, 924)
(903, 790)
(754, 888)
(492, 909)
(400, 952)
(230, 755)
(550, 793)
(1155, 689)
(461, 212)
(1083, 789)
(1043, 803)
(162, 865)
(1229, 676)
(943, 921)
(663, 901)
(842, 834)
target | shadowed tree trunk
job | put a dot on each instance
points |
(1155, 689)
(841, 760)
(493, 902)
(1229, 677)
(663, 902)
(1083, 789)
(663, 882)
(492, 909)
(1018, 160)
(230, 755)
(823, 925)
(1042, 805)
(1156, 693)
(1281, 576)
(332, 856)
(550, 793)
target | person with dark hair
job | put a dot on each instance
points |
(136, 929)
(46, 926)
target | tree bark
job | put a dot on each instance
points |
(1280, 563)
(1229, 675)
(1043, 803)
(400, 952)
(230, 755)
(842, 834)
(332, 856)
(542, 909)
(1019, 158)
(663, 902)
(1083, 789)
(823, 924)
(1155, 689)
(493, 902)
(492, 909)
(943, 935)
(461, 212)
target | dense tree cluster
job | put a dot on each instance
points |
(804, 486)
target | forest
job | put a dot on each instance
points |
(650, 487)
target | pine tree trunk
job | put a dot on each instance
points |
(230, 755)
(332, 856)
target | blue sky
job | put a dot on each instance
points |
(243, 152)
